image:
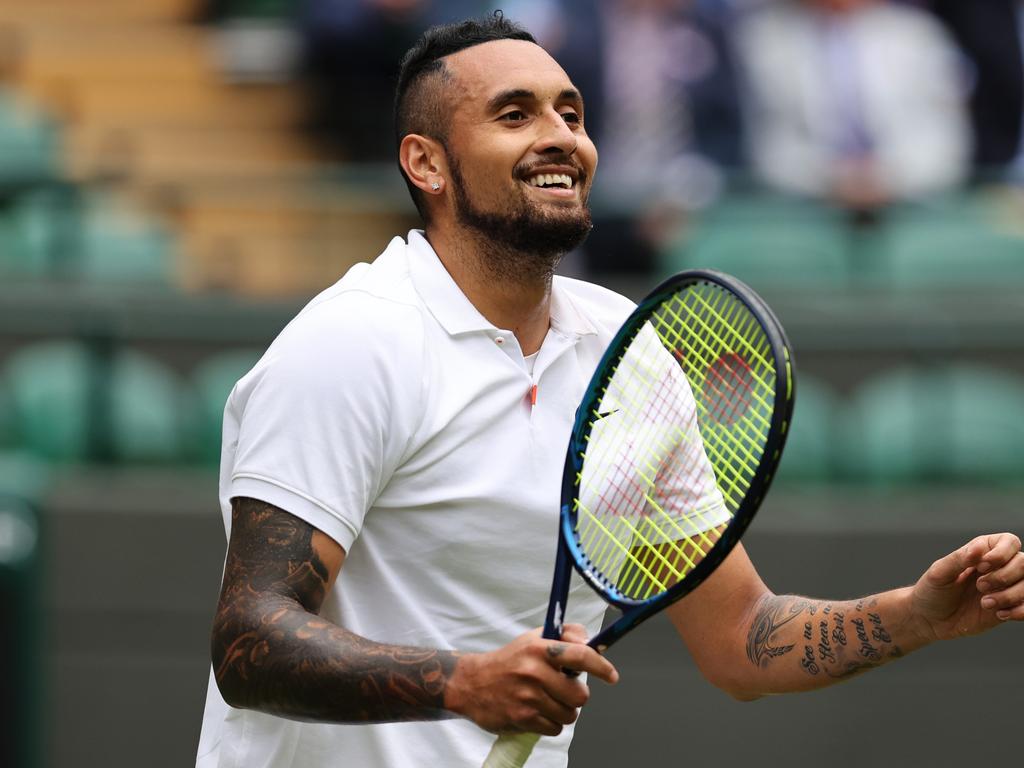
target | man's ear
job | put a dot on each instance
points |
(425, 164)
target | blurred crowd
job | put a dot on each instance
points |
(859, 104)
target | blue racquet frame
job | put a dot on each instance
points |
(570, 555)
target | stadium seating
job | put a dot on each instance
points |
(952, 245)
(29, 143)
(38, 231)
(767, 242)
(213, 380)
(60, 232)
(99, 10)
(951, 423)
(808, 455)
(118, 244)
(69, 404)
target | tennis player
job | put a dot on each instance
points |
(391, 469)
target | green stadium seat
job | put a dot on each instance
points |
(24, 476)
(151, 415)
(68, 405)
(29, 143)
(119, 245)
(808, 455)
(37, 231)
(956, 423)
(767, 243)
(953, 245)
(50, 399)
(213, 380)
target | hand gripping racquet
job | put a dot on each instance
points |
(675, 444)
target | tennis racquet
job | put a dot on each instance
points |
(674, 445)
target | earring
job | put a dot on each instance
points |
(435, 185)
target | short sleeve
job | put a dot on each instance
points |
(326, 416)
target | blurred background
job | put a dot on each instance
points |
(177, 177)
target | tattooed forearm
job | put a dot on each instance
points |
(272, 652)
(838, 639)
(771, 616)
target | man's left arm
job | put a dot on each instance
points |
(751, 642)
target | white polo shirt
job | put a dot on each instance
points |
(391, 415)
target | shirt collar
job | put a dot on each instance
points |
(566, 315)
(442, 295)
(456, 313)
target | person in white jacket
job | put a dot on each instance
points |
(858, 102)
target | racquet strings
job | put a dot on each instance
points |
(676, 435)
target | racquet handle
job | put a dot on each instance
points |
(511, 750)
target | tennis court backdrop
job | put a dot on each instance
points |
(162, 215)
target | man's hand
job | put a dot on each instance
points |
(522, 686)
(972, 589)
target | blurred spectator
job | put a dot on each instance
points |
(663, 107)
(991, 34)
(858, 102)
(353, 49)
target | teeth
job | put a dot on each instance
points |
(550, 179)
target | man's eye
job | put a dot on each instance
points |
(572, 117)
(514, 115)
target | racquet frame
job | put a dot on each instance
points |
(570, 555)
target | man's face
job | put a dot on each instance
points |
(520, 160)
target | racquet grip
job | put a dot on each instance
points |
(511, 750)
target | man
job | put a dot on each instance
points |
(391, 470)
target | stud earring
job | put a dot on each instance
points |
(435, 186)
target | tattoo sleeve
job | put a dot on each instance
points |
(791, 637)
(272, 652)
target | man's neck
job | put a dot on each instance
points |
(509, 295)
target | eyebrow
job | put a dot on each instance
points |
(523, 94)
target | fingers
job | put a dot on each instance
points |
(982, 554)
(580, 658)
(1003, 587)
(574, 633)
(1002, 547)
(523, 686)
(563, 695)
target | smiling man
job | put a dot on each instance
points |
(392, 465)
(410, 424)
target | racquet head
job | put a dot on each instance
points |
(675, 443)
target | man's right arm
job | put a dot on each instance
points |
(272, 652)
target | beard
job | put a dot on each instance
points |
(526, 238)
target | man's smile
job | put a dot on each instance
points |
(559, 183)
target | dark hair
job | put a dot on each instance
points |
(418, 108)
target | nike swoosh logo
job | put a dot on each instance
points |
(606, 414)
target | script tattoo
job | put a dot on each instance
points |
(271, 651)
(878, 632)
(772, 614)
(839, 630)
(867, 650)
(838, 639)
(808, 663)
(824, 647)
